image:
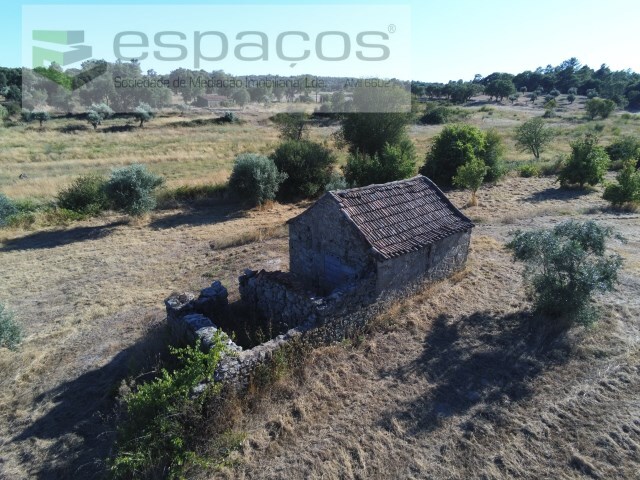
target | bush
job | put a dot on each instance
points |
(255, 177)
(452, 148)
(10, 331)
(627, 190)
(395, 162)
(98, 113)
(130, 189)
(8, 208)
(86, 195)
(308, 167)
(529, 170)
(599, 107)
(336, 182)
(436, 115)
(564, 267)
(162, 434)
(626, 148)
(587, 163)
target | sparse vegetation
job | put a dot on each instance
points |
(564, 267)
(10, 330)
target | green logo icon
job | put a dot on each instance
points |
(75, 53)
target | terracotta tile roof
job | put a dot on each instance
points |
(401, 217)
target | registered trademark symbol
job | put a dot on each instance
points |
(391, 28)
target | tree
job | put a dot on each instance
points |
(255, 177)
(241, 97)
(587, 163)
(513, 98)
(395, 162)
(564, 267)
(598, 106)
(130, 189)
(533, 97)
(38, 115)
(144, 113)
(627, 188)
(533, 135)
(500, 89)
(292, 126)
(308, 167)
(97, 113)
(571, 98)
(382, 118)
(470, 176)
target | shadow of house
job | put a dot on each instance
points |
(84, 409)
(58, 238)
(475, 362)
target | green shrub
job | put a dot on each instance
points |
(4, 114)
(8, 208)
(493, 156)
(626, 148)
(534, 136)
(255, 177)
(564, 267)
(395, 162)
(529, 170)
(587, 163)
(162, 433)
(86, 195)
(436, 114)
(627, 190)
(10, 331)
(130, 189)
(308, 167)
(599, 107)
(453, 147)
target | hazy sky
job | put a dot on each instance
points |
(449, 39)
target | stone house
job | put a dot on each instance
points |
(211, 101)
(382, 237)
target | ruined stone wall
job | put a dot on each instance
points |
(314, 320)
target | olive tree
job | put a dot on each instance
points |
(564, 267)
(533, 136)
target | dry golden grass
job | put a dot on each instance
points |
(90, 299)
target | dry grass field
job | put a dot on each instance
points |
(450, 383)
